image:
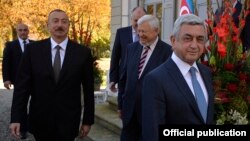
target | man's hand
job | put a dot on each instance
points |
(84, 130)
(112, 87)
(7, 84)
(15, 130)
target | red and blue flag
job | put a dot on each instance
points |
(186, 7)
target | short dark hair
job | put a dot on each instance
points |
(56, 10)
(139, 7)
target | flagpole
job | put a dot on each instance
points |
(195, 8)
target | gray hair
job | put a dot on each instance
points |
(189, 19)
(152, 20)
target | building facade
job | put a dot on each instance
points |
(166, 10)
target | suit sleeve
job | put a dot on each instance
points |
(115, 59)
(22, 88)
(236, 13)
(88, 91)
(153, 107)
(122, 82)
(6, 62)
(247, 32)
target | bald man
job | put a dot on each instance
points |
(124, 36)
(11, 58)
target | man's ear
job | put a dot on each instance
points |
(173, 41)
(47, 26)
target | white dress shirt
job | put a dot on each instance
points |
(150, 51)
(63, 46)
(184, 68)
(21, 43)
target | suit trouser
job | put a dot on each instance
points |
(53, 137)
(131, 131)
(24, 123)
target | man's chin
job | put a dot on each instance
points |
(60, 35)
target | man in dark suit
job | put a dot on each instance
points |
(12, 55)
(142, 57)
(237, 7)
(52, 71)
(168, 95)
(235, 11)
(124, 36)
(245, 35)
(11, 58)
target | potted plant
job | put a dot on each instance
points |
(97, 75)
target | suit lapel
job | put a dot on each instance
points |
(137, 56)
(18, 47)
(46, 50)
(153, 58)
(183, 86)
(207, 82)
(66, 61)
(130, 34)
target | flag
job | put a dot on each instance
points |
(186, 7)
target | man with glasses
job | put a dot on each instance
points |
(11, 58)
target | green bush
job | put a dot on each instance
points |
(98, 73)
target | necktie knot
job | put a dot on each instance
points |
(57, 47)
(24, 45)
(147, 47)
(192, 71)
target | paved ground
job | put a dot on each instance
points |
(5, 104)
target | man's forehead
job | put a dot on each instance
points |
(58, 15)
(22, 26)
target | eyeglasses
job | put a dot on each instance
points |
(22, 30)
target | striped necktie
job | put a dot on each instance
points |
(142, 60)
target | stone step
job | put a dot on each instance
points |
(113, 103)
(99, 133)
(107, 125)
(108, 118)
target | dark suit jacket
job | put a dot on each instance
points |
(129, 95)
(11, 58)
(245, 35)
(122, 39)
(236, 14)
(167, 99)
(54, 106)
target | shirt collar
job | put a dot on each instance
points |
(21, 40)
(133, 30)
(234, 4)
(152, 46)
(183, 66)
(63, 44)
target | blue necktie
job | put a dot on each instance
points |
(200, 98)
